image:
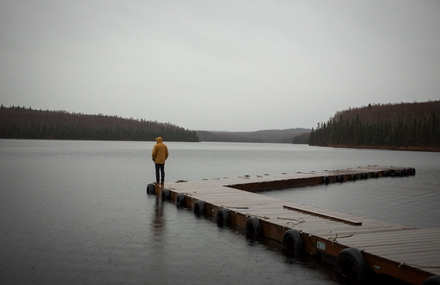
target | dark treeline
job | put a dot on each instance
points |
(297, 135)
(224, 137)
(26, 123)
(302, 139)
(405, 125)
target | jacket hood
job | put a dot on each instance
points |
(159, 139)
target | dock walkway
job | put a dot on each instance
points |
(357, 246)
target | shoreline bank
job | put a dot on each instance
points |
(403, 148)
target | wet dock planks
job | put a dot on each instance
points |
(405, 253)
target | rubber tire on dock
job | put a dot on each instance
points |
(222, 218)
(165, 195)
(199, 208)
(293, 242)
(351, 264)
(325, 180)
(364, 175)
(433, 280)
(254, 228)
(181, 200)
(341, 178)
(151, 189)
(353, 177)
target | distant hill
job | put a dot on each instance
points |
(414, 126)
(263, 136)
(26, 123)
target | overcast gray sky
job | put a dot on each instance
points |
(218, 65)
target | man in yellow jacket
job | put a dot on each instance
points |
(159, 155)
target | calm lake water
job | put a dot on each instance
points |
(76, 212)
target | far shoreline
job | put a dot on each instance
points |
(401, 148)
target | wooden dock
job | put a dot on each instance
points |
(357, 246)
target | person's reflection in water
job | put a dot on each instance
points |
(158, 222)
(157, 261)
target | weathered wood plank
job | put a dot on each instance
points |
(323, 215)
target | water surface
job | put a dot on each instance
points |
(76, 212)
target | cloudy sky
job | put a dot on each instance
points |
(225, 65)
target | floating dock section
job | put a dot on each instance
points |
(358, 247)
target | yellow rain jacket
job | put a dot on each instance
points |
(160, 152)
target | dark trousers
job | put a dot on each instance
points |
(160, 169)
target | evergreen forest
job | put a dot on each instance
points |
(296, 135)
(413, 126)
(26, 123)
